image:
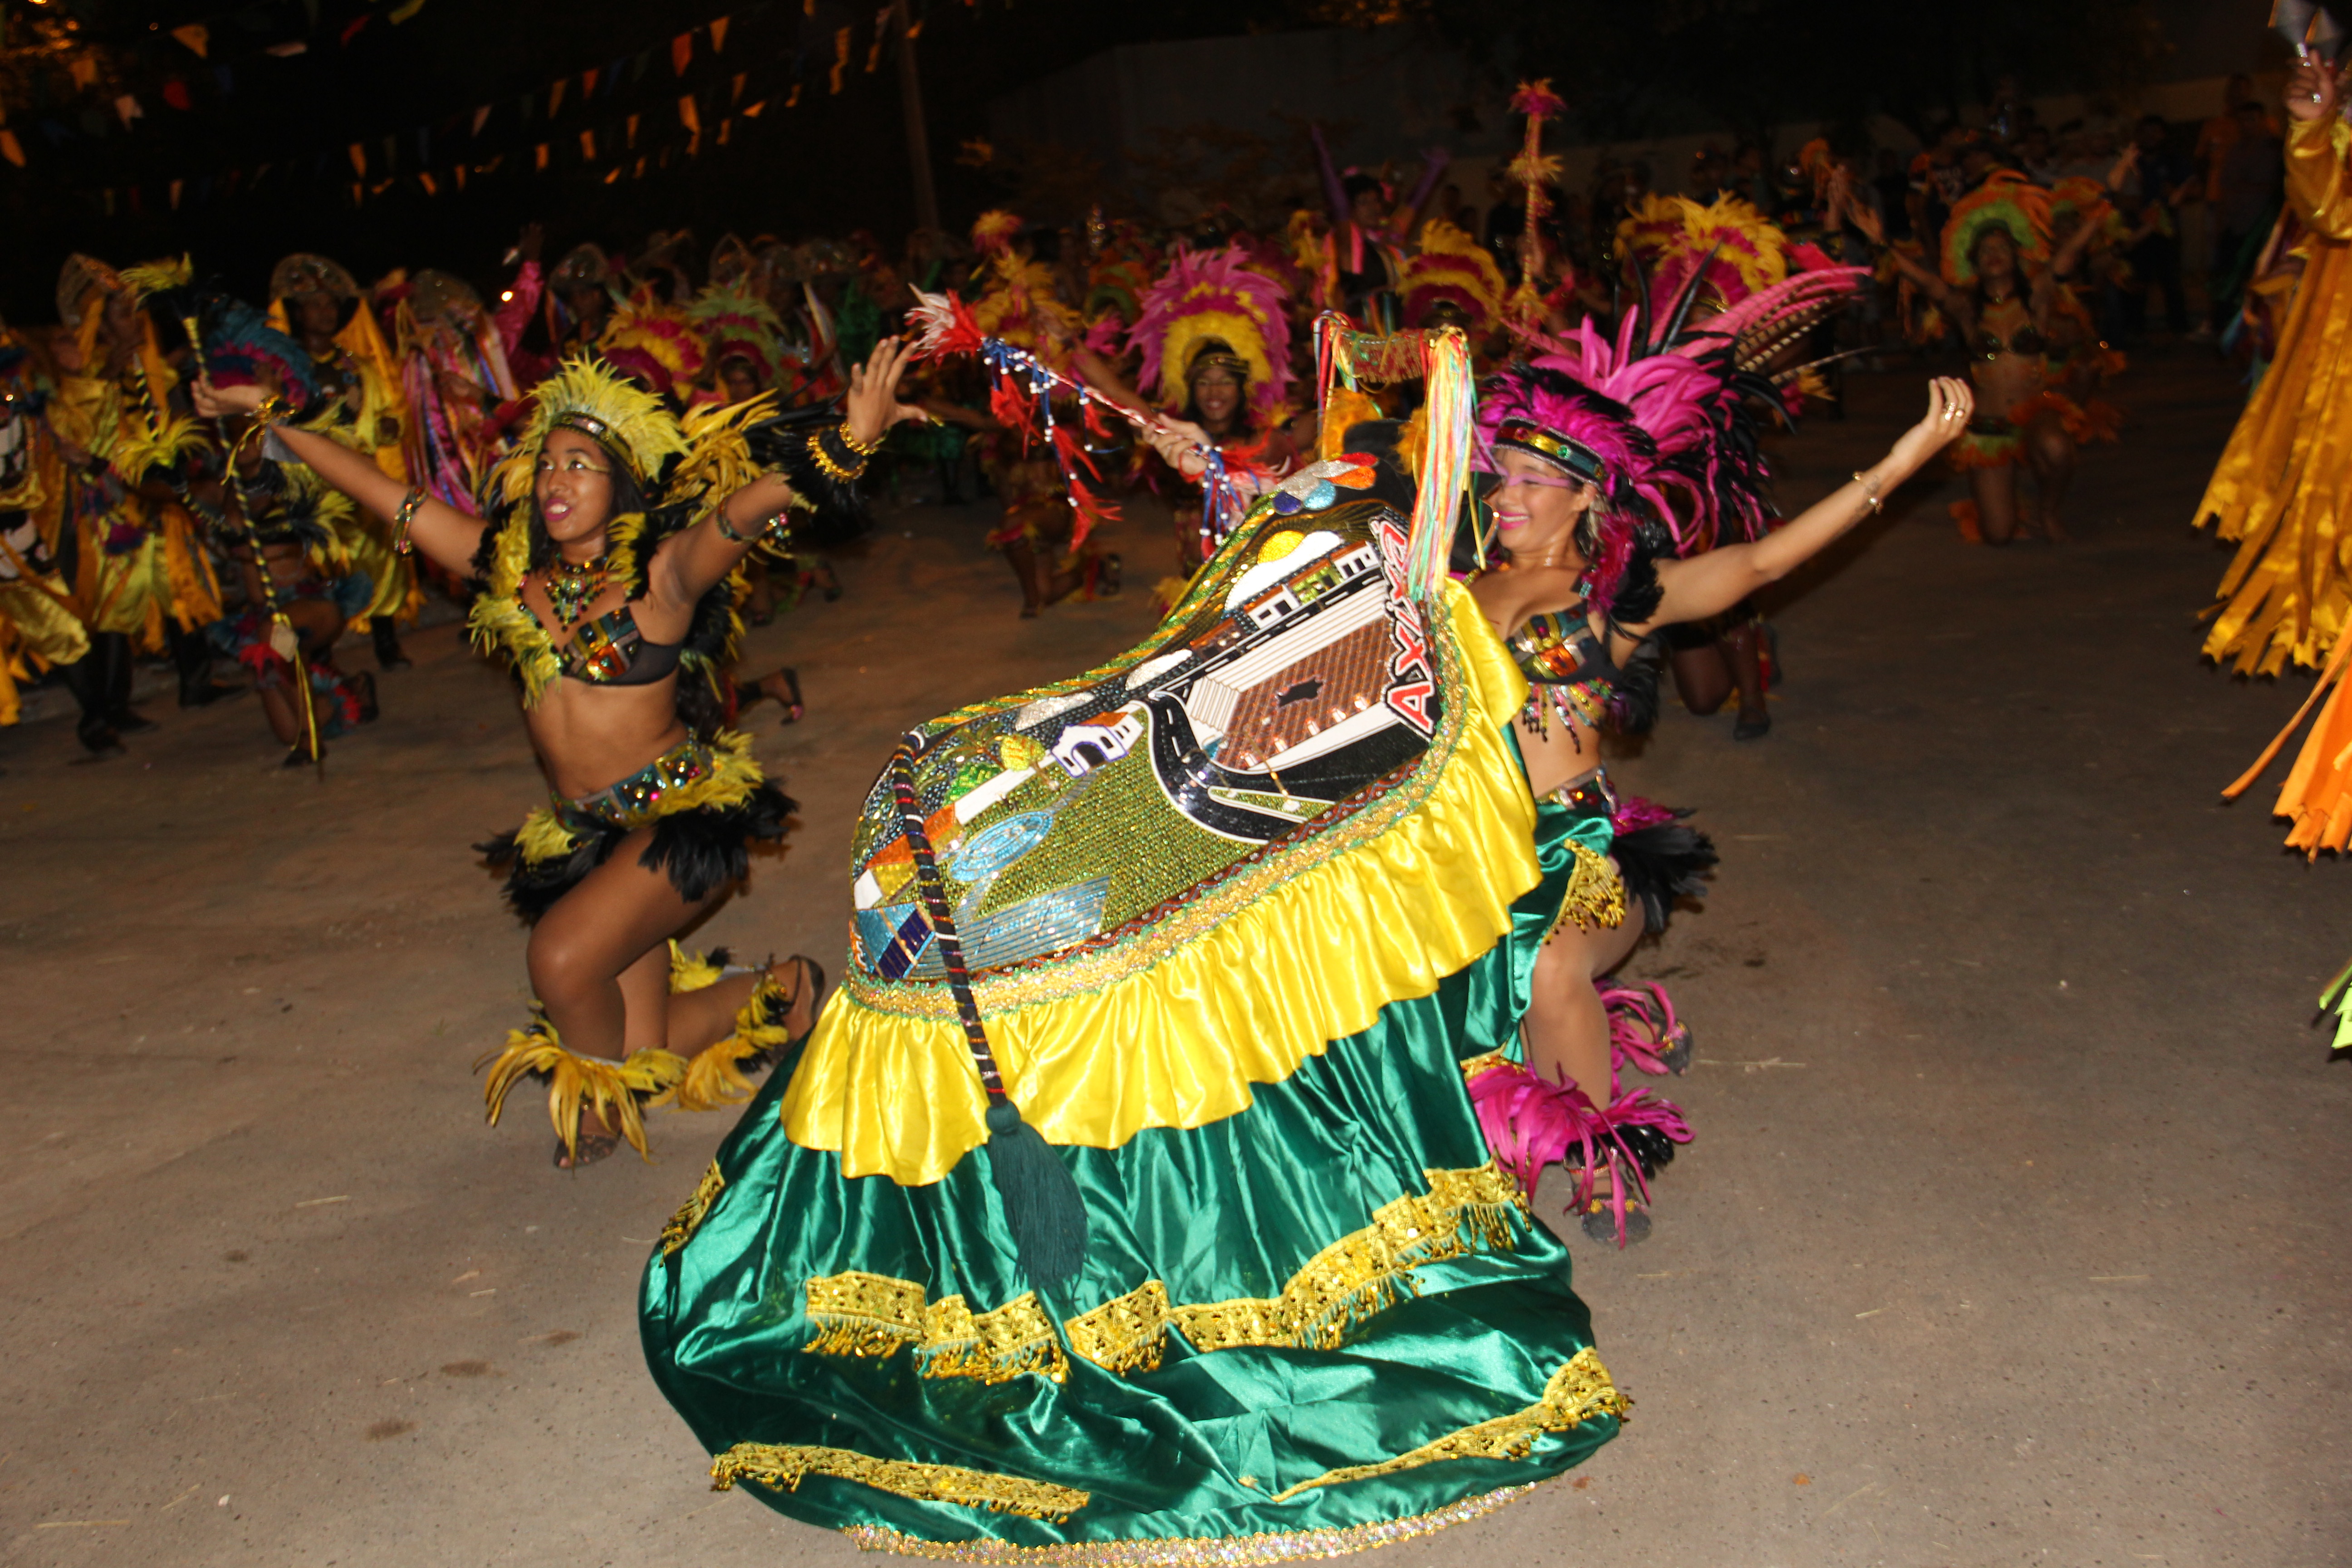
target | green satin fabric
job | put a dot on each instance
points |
(1233, 1209)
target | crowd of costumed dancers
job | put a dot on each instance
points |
(1156, 1181)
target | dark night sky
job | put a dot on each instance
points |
(832, 163)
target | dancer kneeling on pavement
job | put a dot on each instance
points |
(615, 529)
(1589, 573)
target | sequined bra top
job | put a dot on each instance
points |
(1557, 648)
(1988, 344)
(610, 651)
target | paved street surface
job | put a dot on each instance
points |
(2014, 1231)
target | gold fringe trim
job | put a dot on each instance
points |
(1014, 1340)
(613, 1087)
(1271, 1546)
(1595, 899)
(1127, 1334)
(1577, 1392)
(863, 1315)
(712, 1081)
(777, 1465)
(872, 1315)
(1363, 1274)
(1355, 1278)
(688, 1218)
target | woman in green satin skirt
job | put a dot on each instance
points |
(1237, 910)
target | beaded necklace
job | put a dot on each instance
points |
(571, 587)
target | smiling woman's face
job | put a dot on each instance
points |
(1537, 507)
(1217, 393)
(573, 487)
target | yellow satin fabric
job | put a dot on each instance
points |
(1178, 1042)
(2283, 486)
(35, 628)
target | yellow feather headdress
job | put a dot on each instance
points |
(585, 394)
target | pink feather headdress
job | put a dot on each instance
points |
(1218, 295)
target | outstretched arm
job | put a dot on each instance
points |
(1712, 582)
(1873, 229)
(687, 565)
(447, 537)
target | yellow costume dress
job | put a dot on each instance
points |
(38, 627)
(140, 562)
(2282, 488)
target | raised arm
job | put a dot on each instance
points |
(1930, 282)
(1335, 194)
(1710, 584)
(448, 537)
(689, 564)
(1407, 219)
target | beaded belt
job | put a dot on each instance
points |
(643, 796)
(1590, 798)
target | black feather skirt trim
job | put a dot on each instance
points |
(701, 850)
(1663, 863)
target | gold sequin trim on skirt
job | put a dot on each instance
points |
(785, 1465)
(874, 1315)
(1125, 1334)
(1577, 1392)
(1270, 1546)
(688, 1218)
(1595, 899)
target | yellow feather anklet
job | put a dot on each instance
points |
(611, 1087)
(711, 1079)
(690, 971)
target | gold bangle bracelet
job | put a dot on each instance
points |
(859, 446)
(1869, 491)
(832, 468)
(409, 505)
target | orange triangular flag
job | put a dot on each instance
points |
(718, 35)
(681, 52)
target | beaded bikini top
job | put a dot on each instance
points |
(610, 651)
(1568, 667)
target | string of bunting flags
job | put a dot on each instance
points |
(625, 142)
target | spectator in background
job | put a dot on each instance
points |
(2217, 135)
(1455, 208)
(2156, 181)
(2245, 200)
(1506, 220)
(2037, 156)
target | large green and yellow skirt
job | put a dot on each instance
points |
(1313, 1314)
